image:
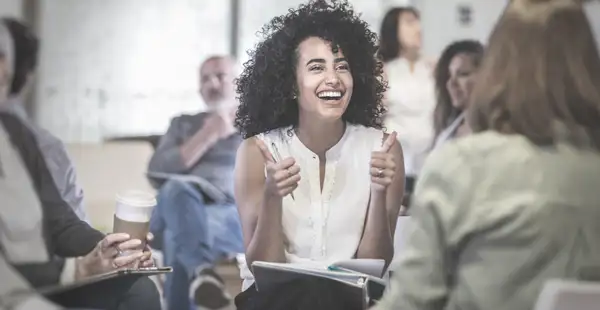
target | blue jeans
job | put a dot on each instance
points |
(194, 234)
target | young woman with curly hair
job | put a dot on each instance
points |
(317, 180)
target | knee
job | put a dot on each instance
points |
(143, 294)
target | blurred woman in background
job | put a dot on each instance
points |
(454, 81)
(410, 99)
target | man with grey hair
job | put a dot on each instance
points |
(193, 168)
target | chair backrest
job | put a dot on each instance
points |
(569, 295)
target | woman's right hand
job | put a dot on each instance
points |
(282, 177)
(105, 256)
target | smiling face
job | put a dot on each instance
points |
(462, 78)
(324, 81)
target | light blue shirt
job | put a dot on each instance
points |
(57, 159)
(216, 166)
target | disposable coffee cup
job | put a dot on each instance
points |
(132, 214)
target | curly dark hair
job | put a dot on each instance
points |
(267, 85)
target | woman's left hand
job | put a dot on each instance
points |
(383, 165)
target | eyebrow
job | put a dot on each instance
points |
(322, 61)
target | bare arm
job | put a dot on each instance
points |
(384, 206)
(260, 208)
(196, 146)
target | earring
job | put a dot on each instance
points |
(295, 96)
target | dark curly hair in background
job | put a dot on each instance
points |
(267, 86)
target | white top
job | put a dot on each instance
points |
(410, 103)
(322, 227)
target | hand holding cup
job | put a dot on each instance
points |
(106, 256)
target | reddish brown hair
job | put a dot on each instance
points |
(540, 74)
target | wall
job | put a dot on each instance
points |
(592, 9)
(12, 8)
(440, 21)
(441, 26)
(123, 67)
(252, 19)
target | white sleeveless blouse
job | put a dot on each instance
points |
(322, 227)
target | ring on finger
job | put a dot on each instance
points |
(380, 173)
(119, 252)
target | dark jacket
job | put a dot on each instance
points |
(65, 235)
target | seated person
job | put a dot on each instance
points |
(317, 180)
(500, 212)
(53, 150)
(455, 76)
(37, 226)
(198, 220)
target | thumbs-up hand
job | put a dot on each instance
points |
(282, 177)
(383, 165)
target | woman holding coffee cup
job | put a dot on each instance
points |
(39, 229)
(60, 233)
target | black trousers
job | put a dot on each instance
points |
(127, 293)
(304, 294)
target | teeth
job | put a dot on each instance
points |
(328, 94)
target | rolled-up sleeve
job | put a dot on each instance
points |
(62, 170)
(167, 157)
(421, 280)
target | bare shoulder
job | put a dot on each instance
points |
(249, 173)
(248, 153)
